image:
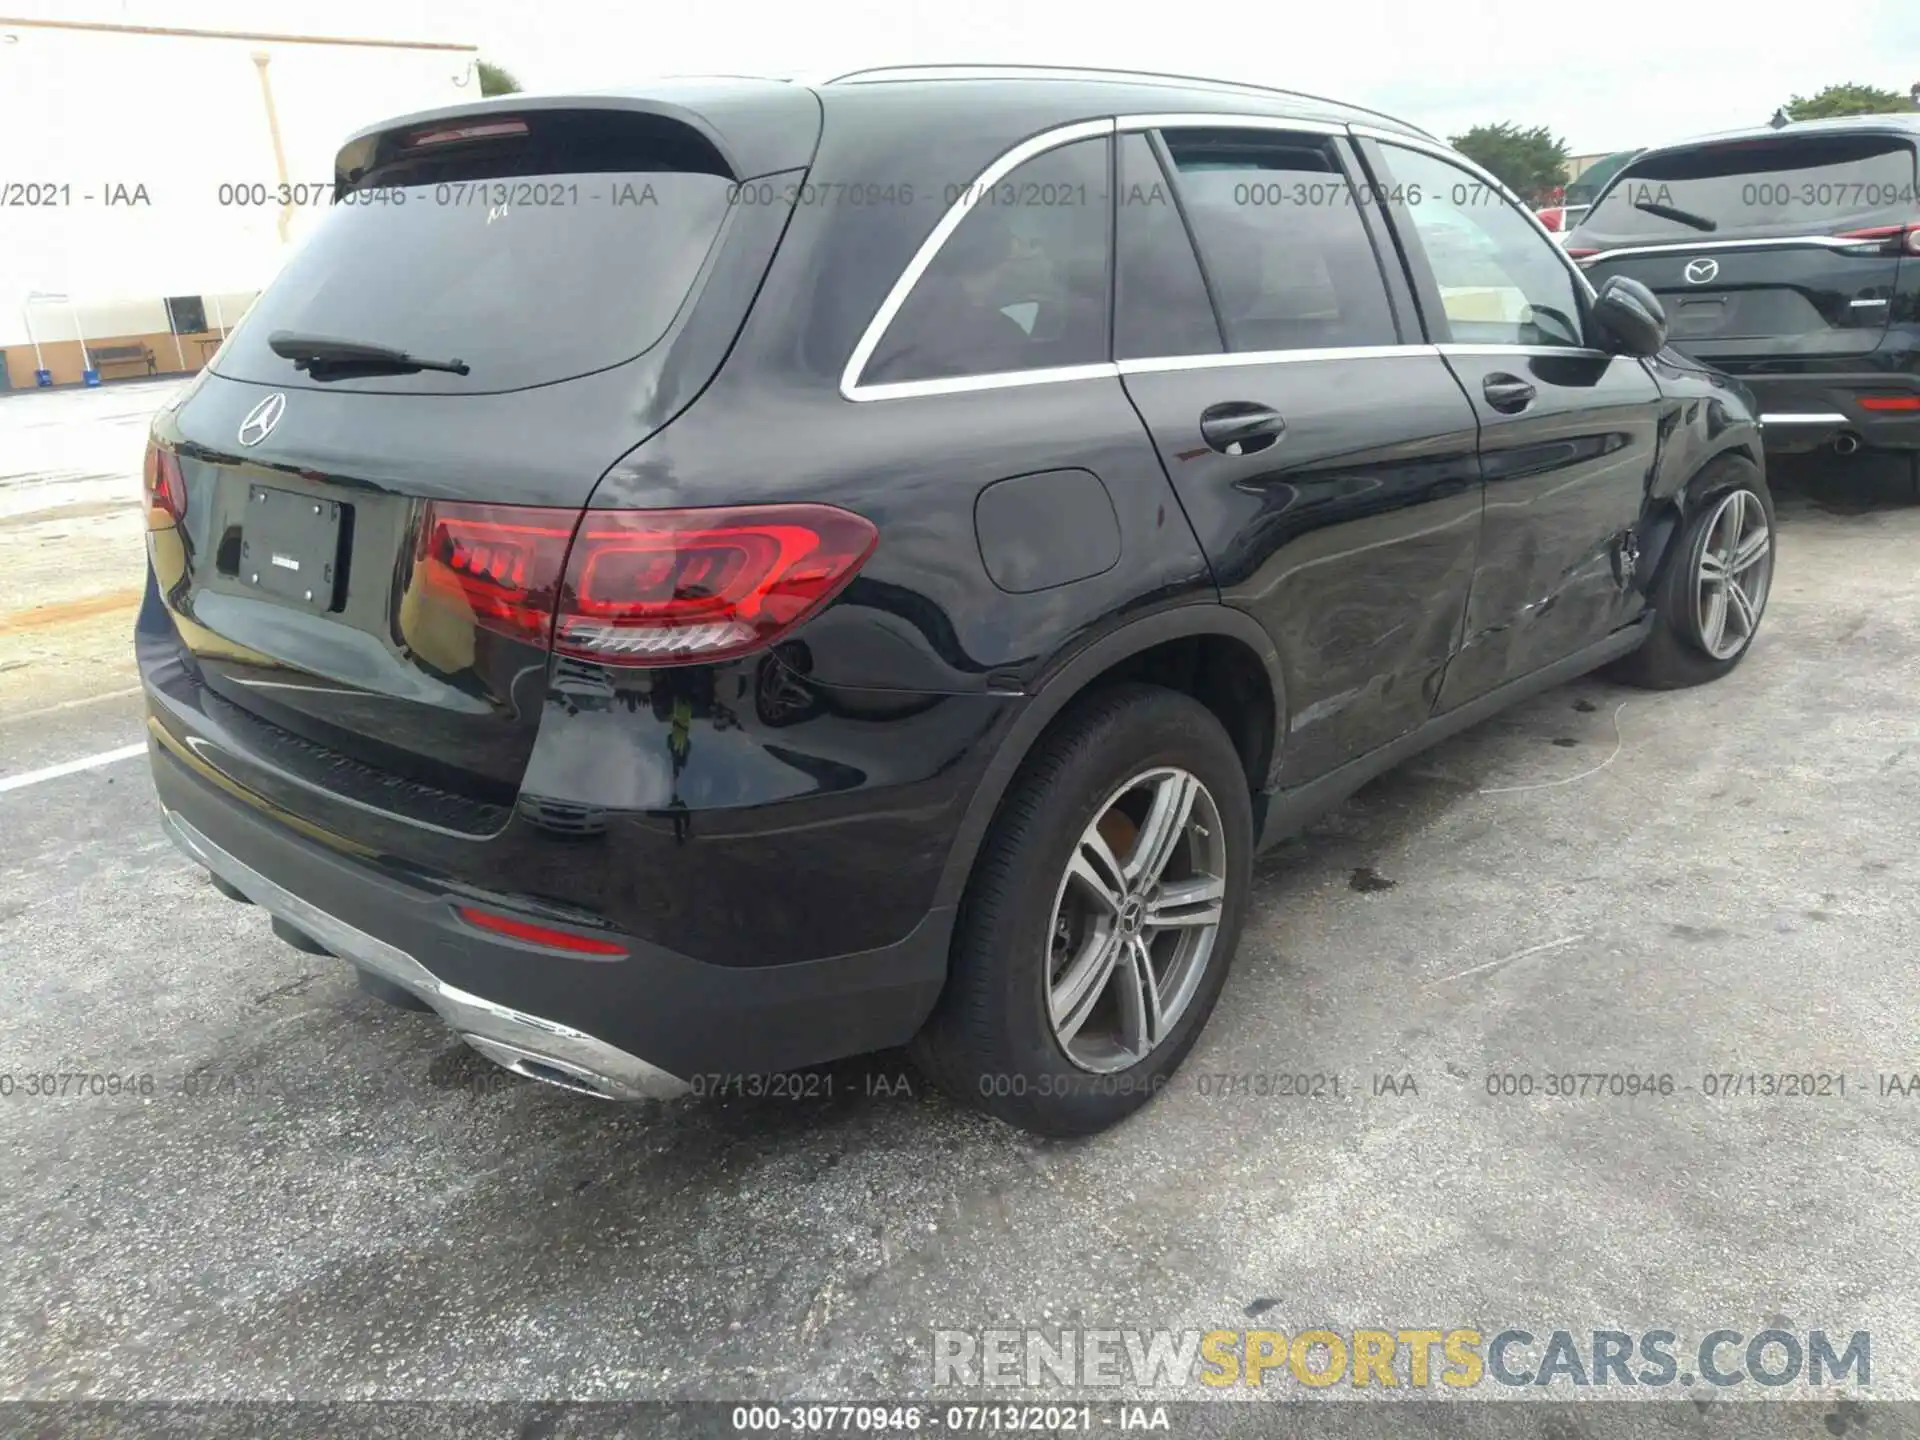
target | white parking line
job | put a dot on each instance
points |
(71, 767)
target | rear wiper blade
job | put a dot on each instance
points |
(308, 351)
(1684, 217)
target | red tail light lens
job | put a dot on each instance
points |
(545, 935)
(1550, 218)
(1886, 403)
(165, 488)
(658, 587)
(1894, 239)
(502, 561)
(641, 587)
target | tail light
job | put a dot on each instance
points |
(1550, 218)
(165, 489)
(1894, 239)
(642, 587)
(503, 561)
(1890, 403)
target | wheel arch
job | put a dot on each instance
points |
(1669, 519)
(1190, 629)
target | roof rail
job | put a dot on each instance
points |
(1090, 72)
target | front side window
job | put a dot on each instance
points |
(1279, 231)
(1501, 281)
(1021, 283)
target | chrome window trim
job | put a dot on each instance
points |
(1003, 380)
(1033, 145)
(1147, 365)
(1789, 417)
(1682, 247)
(1225, 120)
(1161, 364)
(1583, 352)
(1436, 151)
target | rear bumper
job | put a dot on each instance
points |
(646, 1025)
(1804, 412)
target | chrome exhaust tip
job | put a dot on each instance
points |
(1846, 443)
(547, 1069)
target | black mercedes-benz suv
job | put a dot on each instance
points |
(708, 580)
(1790, 258)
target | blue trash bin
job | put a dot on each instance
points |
(43, 378)
(91, 377)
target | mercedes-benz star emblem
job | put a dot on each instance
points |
(262, 418)
(1699, 272)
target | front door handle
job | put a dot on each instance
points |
(1240, 427)
(1508, 394)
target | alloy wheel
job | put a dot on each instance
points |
(1135, 919)
(1733, 576)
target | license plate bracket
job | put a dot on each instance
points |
(291, 547)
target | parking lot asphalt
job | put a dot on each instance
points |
(309, 1195)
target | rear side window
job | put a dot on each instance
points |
(1754, 189)
(1021, 283)
(533, 248)
(1161, 306)
(1280, 234)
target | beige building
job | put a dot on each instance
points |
(159, 176)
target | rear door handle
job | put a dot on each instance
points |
(1240, 427)
(1508, 394)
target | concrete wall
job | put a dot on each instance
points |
(135, 134)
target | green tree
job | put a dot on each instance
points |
(1849, 100)
(496, 81)
(1531, 163)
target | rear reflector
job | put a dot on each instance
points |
(166, 491)
(641, 587)
(543, 935)
(1890, 402)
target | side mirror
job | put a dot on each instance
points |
(1630, 316)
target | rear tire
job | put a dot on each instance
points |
(1055, 934)
(1709, 604)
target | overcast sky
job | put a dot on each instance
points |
(1603, 76)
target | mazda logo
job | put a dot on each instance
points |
(262, 418)
(1699, 272)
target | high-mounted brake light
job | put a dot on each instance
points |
(641, 587)
(452, 134)
(164, 487)
(544, 935)
(1894, 239)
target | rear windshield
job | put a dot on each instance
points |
(533, 248)
(1753, 189)
(1582, 190)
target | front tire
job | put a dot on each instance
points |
(1101, 917)
(1709, 603)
